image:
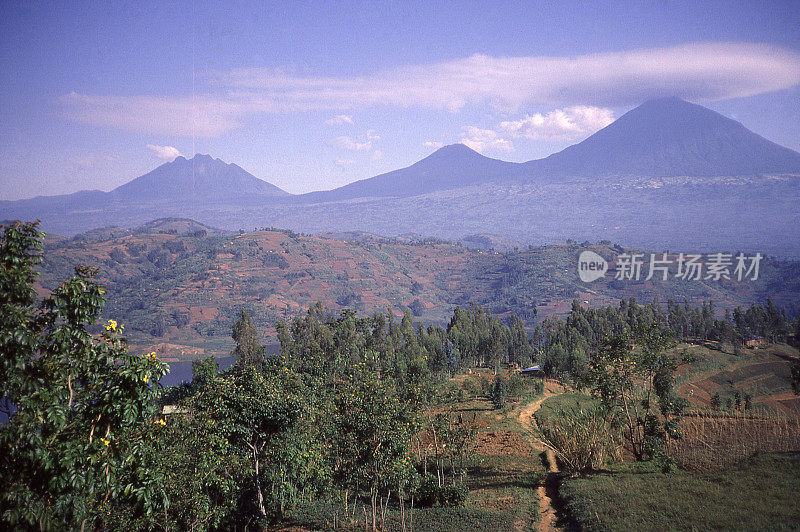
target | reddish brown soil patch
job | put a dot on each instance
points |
(501, 442)
(203, 314)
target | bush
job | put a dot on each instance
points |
(431, 494)
(417, 307)
(471, 388)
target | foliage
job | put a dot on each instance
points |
(630, 382)
(266, 418)
(566, 344)
(248, 349)
(499, 392)
(78, 403)
(584, 439)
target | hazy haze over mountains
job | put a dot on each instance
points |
(666, 174)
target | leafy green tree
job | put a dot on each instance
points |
(499, 392)
(265, 414)
(631, 381)
(374, 431)
(204, 370)
(76, 401)
(520, 348)
(248, 350)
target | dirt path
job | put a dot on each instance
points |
(547, 490)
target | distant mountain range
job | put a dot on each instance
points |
(668, 173)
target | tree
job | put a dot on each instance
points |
(374, 430)
(498, 392)
(264, 412)
(520, 349)
(76, 401)
(630, 382)
(159, 327)
(248, 350)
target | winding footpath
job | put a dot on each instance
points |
(548, 489)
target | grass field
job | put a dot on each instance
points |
(759, 493)
(762, 374)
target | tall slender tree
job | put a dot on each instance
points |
(248, 350)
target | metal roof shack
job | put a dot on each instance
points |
(533, 370)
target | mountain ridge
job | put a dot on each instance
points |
(201, 177)
(597, 189)
(670, 137)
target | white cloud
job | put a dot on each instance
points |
(485, 140)
(377, 155)
(184, 116)
(570, 123)
(346, 143)
(435, 144)
(165, 153)
(372, 136)
(339, 120)
(697, 71)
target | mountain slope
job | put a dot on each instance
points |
(450, 167)
(201, 177)
(670, 137)
(199, 284)
(716, 187)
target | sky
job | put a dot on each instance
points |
(315, 95)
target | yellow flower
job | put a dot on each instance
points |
(145, 378)
(105, 442)
(160, 422)
(112, 325)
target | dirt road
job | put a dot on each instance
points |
(545, 491)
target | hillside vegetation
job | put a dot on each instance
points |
(178, 285)
(373, 422)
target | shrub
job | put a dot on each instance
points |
(431, 494)
(471, 388)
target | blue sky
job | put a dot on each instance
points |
(313, 95)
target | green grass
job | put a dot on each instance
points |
(757, 494)
(502, 497)
(708, 361)
(553, 405)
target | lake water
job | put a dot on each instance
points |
(180, 372)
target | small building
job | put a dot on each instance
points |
(533, 370)
(755, 341)
(169, 410)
